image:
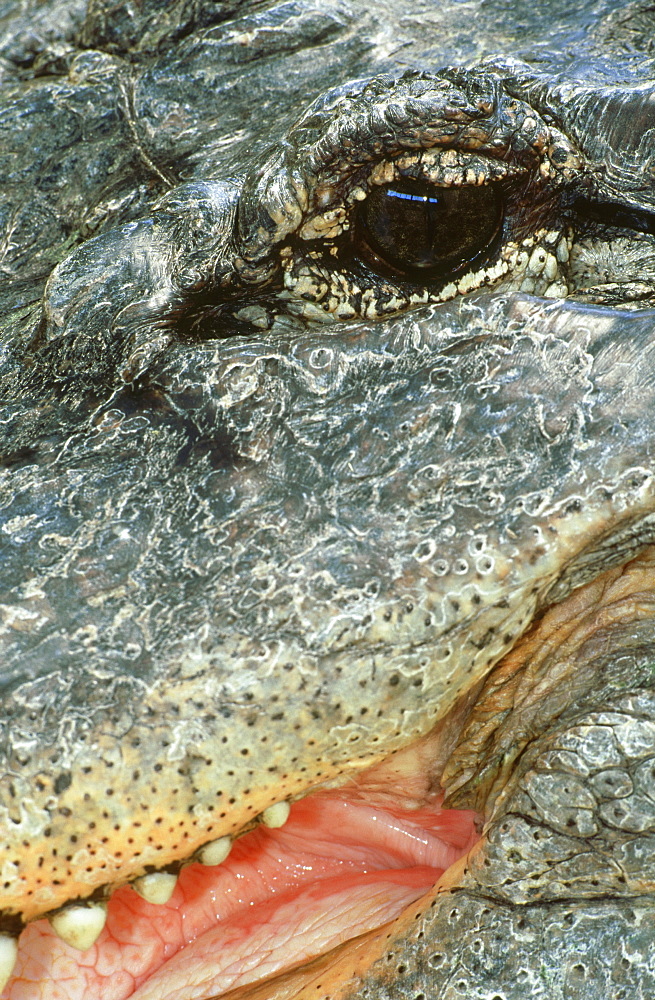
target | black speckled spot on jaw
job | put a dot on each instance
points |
(62, 782)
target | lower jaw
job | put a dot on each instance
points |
(347, 862)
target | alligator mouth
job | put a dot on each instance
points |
(301, 909)
(347, 862)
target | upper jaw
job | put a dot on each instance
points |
(240, 627)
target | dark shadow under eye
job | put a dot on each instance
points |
(430, 232)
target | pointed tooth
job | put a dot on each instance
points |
(215, 852)
(276, 815)
(158, 887)
(80, 925)
(8, 952)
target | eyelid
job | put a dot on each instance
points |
(363, 133)
(445, 168)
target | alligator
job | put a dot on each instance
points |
(328, 500)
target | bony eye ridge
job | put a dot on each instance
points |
(429, 232)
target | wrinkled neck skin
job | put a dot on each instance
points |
(327, 587)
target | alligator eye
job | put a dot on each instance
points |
(428, 231)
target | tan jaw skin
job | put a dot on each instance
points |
(406, 784)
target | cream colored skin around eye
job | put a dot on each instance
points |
(317, 288)
(536, 266)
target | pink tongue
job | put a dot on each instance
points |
(284, 933)
(337, 869)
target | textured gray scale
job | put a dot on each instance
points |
(265, 514)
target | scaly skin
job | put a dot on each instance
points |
(266, 519)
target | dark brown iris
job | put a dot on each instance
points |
(430, 232)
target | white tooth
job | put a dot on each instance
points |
(158, 887)
(276, 815)
(79, 925)
(8, 952)
(215, 852)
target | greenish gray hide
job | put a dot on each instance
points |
(265, 514)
